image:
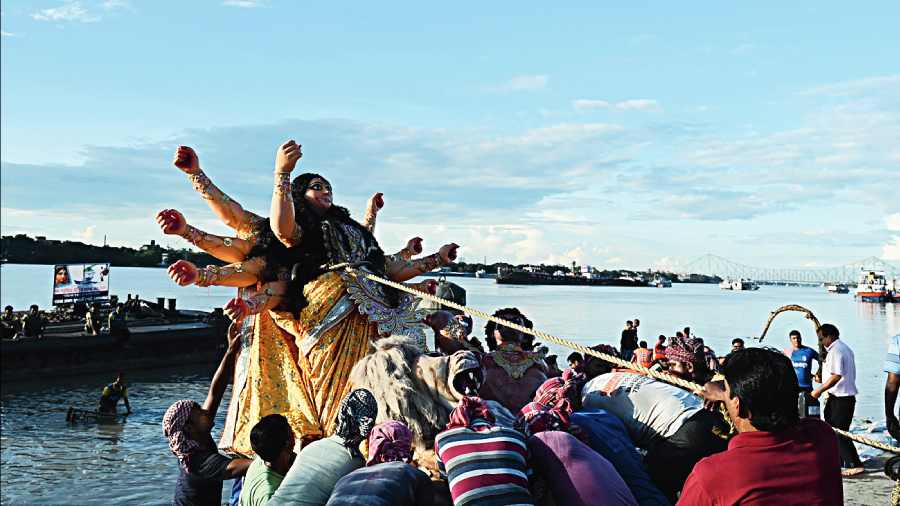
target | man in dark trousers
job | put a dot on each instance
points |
(839, 380)
(629, 341)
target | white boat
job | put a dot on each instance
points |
(837, 288)
(481, 273)
(873, 286)
(738, 285)
(660, 282)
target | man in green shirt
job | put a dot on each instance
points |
(273, 441)
(11, 324)
(34, 323)
(116, 390)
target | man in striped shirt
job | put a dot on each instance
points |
(485, 464)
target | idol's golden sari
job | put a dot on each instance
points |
(300, 367)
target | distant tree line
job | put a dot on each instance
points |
(21, 249)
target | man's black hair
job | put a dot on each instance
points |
(829, 330)
(269, 436)
(794, 333)
(661, 338)
(8, 308)
(642, 344)
(629, 322)
(765, 382)
(575, 357)
(33, 306)
(737, 340)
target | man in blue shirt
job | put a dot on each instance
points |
(892, 385)
(802, 358)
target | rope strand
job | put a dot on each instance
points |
(668, 378)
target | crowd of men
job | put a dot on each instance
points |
(590, 435)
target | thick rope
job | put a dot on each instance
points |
(668, 378)
(789, 307)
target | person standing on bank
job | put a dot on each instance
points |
(802, 357)
(839, 380)
(892, 386)
(629, 341)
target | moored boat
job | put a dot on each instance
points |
(874, 286)
(660, 282)
(837, 288)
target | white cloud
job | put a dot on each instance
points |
(588, 104)
(523, 83)
(6, 34)
(641, 104)
(893, 222)
(245, 4)
(891, 251)
(88, 233)
(637, 104)
(668, 264)
(856, 86)
(72, 11)
(111, 5)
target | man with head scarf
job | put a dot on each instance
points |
(187, 426)
(320, 465)
(388, 479)
(485, 464)
(687, 359)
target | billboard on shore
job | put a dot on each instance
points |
(80, 282)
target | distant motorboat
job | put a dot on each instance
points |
(660, 282)
(837, 288)
(446, 272)
(483, 274)
(738, 285)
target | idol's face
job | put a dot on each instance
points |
(319, 195)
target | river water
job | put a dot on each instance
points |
(48, 461)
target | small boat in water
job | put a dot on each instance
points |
(483, 274)
(837, 288)
(873, 286)
(738, 285)
(660, 282)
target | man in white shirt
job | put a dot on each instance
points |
(839, 379)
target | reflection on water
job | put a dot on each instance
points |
(45, 460)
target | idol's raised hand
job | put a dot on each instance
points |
(448, 253)
(183, 273)
(236, 309)
(414, 245)
(171, 222)
(376, 202)
(287, 155)
(187, 160)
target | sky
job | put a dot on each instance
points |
(620, 136)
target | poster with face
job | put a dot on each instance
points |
(75, 282)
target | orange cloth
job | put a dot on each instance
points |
(306, 389)
(643, 357)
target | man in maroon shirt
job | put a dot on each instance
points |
(776, 458)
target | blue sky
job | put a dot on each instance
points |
(618, 136)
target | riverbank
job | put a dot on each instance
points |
(870, 488)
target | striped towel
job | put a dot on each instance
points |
(484, 467)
